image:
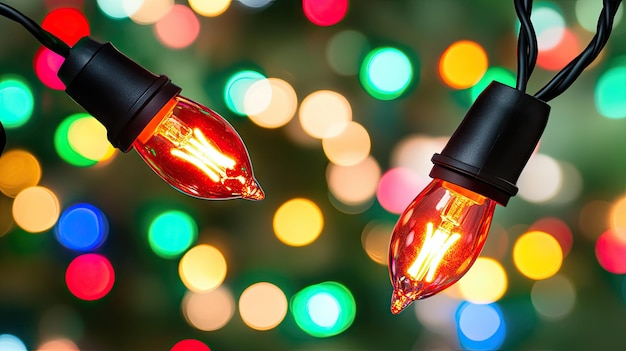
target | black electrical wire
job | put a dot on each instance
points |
(527, 50)
(46, 38)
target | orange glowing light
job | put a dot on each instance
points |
(436, 241)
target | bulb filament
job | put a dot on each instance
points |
(436, 245)
(193, 147)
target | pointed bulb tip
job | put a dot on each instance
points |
(254, 192)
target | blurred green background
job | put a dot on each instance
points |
(408, 101)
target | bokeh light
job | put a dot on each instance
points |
(90, 277)
(587, 13)
(66, 150)
(202, 268)
(463, 64)
(147, 12)
(549, 25)
(298, 222)
(617, 217)
(495, 73)
(437, 313)
(9, 342)
(553, 298)
(19, 169)
(179, 28)
(262, 306)
(16, 102)
(209, 8)
(610, 91)
(274, 112)
(324, 114)
(115, 9)
(66, 23)
(354, 184)
(414, 152)
(325, 12)
(256, 4)
(541, 180)
(47, 64)
(611, 252)
(349, 147)
(58, 344)
(190, 345)
(36, 209)
(537, 255)
(344, 51)
(82, 227)
(558, 229)
(236, 87)
(88, 138)
(375, 239)
(171, 233)
(398, 187)
(386, 73)
(557, 57)
(480, 327)
(324, 309)
(209, 311)
(485, 282)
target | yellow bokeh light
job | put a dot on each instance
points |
(355, 184)
(88, 137)
(202, 268)
(209, 311)
(280, 109)
(262, 306)
(537, 255)
(485, 282)
(19, 170)
(298, 222)
(375, 240)
(324, 114)
(147, 12)
(463, 64)
(36, 209)
(349, 147)
(209, 8)
(617, 217)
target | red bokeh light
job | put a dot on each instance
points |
(90, 277)
(46, 64)
(325, 12)
(68, 24)
(611, 252)
(190, 345)
(561, 54)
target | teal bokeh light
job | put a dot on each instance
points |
(16, 102)
(324, 309)
(10, 342)
(386, 73)
(171, 233)
(236, 88)
(498, 74)
(610, 93)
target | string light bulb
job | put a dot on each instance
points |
(188, 145)
(441, 233)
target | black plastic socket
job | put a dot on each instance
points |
(117, 91)
(493, 143)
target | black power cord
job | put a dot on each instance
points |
(527, 50)
(46, 38)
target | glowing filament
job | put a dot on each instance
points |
(436, 245)
(195, 148)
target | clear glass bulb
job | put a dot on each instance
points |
(198, 152)
(436, 241)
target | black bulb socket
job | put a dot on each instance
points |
(114, 89)
(489, 150)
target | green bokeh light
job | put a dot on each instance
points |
(499, 74)
(171, 233)
(16, 102)
(386, 73)
(236, 88)
(63, 146)
(610, 93)
(324, 309)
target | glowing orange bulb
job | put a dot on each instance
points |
(198, 152)
(436, 241)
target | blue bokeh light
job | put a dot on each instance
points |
(82, 227)
(480, 327)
